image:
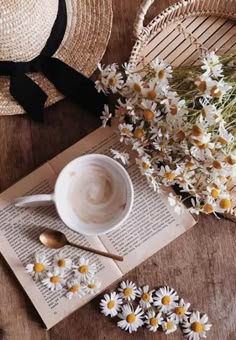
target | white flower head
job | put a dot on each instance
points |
(145, 296)
(75, 289)
(212, 65)
(39, 267)
(163, 71)
(106, 115)
(168, 175)
(128, 290)
(125, 131)
(111, 304)
(131, 319)
(196, 326)
(54, 280)
(62, 262)
(153, 320)
(169, 325)
(224, 202)
(92, 286)
(176, 203)
(150, 112)
(134, 83)
(145, 165)
(122, 156)
(115, 81)
(166, 299)
(210, 113)
(180, 312)
(84, 270)
(225, 138)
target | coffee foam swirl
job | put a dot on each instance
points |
(96, 195)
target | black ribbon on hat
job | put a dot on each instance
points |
(67, 80)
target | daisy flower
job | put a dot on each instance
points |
(166, 299)
(196, 327)
(224, 137)
(38, 268)
(135, 83)
(152, 90)
(128, 68)
(106, 115)
(131, 319)
(61, 262)
(111, 304)
(175, 108)
(145, 297)
(224, 203)
(128, 290)
(122, 156)
(217, 89)
(150, 112)
(163, 71)
(145, 165)
(169, 325)
(101, 83)
(175, 202)
(92, 286)
(125, 130)
(212, 65)
(153, 320)
(75, 289)
(168, 174)
(180, 312)
(54, 280)
(84, 270)
(115, 81)
(211, 114)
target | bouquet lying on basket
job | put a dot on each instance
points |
(182, 124)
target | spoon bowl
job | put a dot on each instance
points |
(53, 239)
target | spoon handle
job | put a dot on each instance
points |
(96, 251)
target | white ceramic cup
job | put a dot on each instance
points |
(119, 177)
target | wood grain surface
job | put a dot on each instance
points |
(200, 264)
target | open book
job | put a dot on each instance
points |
(151, 225)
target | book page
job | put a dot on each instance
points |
(152, 223)
(19, 240)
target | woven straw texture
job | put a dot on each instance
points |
(25, 28)
(184, 31)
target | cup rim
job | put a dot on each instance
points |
(129, 186)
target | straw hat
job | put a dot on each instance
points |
(26, 26)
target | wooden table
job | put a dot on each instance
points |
(200, 264)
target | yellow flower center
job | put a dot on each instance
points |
(151, 94)
(208, 208)
(138, 133)
(145, 166)
(170, 176)
(197, 327)
(216, 164)
(215, 92)
(153, 322)
(165, 300)
(111, 304)
(127, 291)
(39, 267)
(55, 279)
(74, 289)
(229, 160)
(125, 131)
(112, 81)
(180, 311)
(148, 115)
(169, 325)
(136, 87)
(91, 285)
(222, 141)
(61, 263)
(131, 318)
(83, 269)
(225, 203)
(189, 165)
(215, 193)
(173, 109)
(202, 86)
(196, 131)
(145, 297)
(161, 74)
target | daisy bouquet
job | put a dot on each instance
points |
(181, 123)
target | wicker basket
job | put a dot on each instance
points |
(183, 32)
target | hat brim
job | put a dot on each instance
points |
(85, 41)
